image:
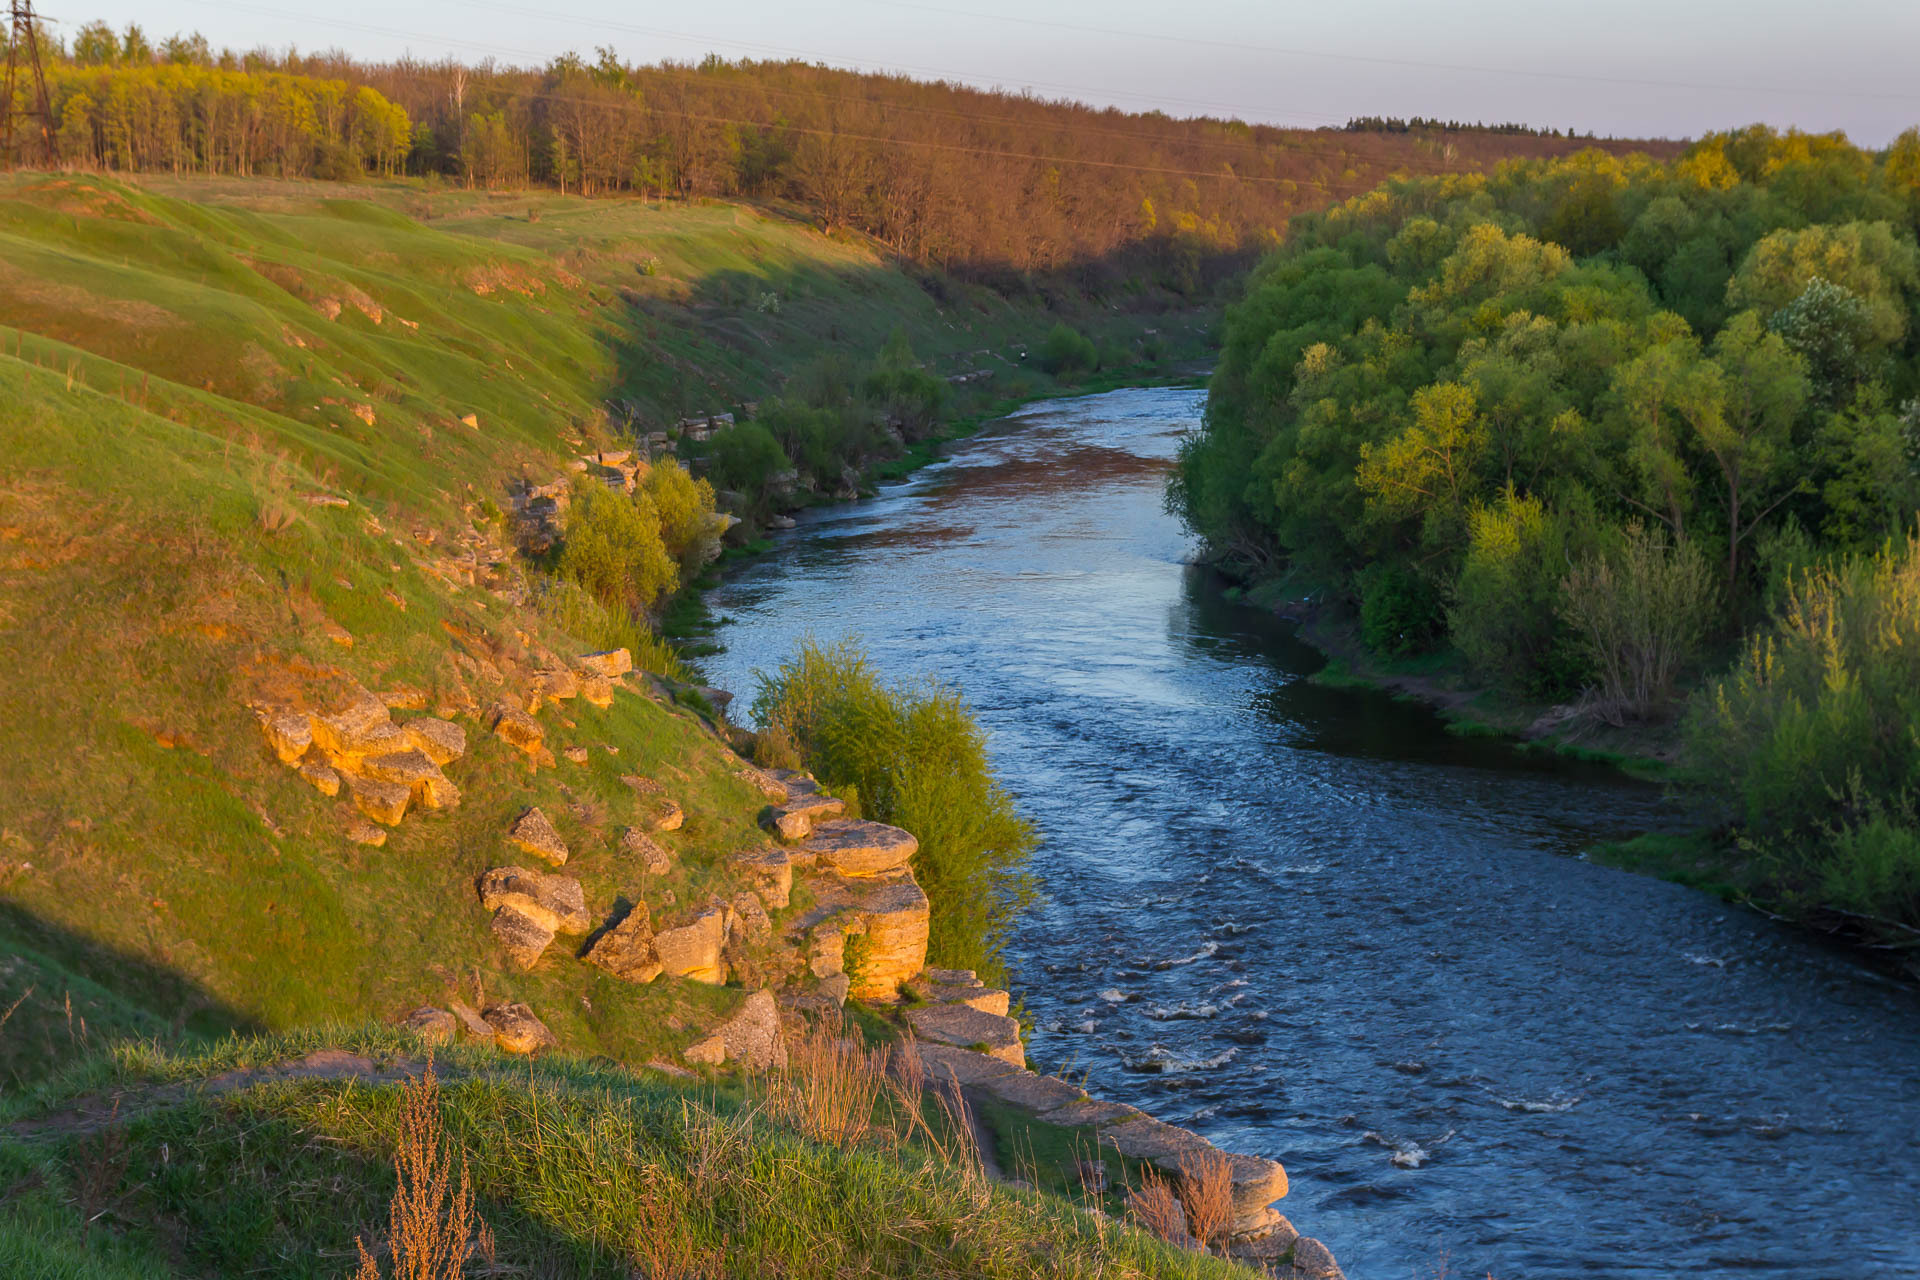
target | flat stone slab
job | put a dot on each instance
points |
(1158, 1143)
(975, 994)
(855, 847)
(1034, 1094)
(1091, 1112)
(795, 820)
(957, 1025)
(533, 833)
(558, 902)
(962, 1066)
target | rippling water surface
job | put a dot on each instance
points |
(1311, 924)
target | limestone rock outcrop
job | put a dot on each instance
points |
(751, 1037)
(516, 1029)
(653, 858)
(872, 928)
(692, 949)
(533, 833)
(625, 950)
(350, 742)
(958, 986)
(530, 908)
(435, 1026)
(968, 1028)
(855, 847)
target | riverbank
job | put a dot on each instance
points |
(1703, 857)
(1441, 680)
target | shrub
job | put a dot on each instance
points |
(689, 527)
(1505, 615)
(745, 458)
(1810, 737)
(1067, 352)
(614, 549)
(917, 759)
(580, 614)
(1640, 609)
(1400, 611)
(903, 393)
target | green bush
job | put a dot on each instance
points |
(1639, 609)
(916, 758)
(614, 549)
(581, 615)
(1067, 352)
(745, 458)
(904, 394)
(1811, 738)
(1400, 610)
(1505, 615)
(689, 527)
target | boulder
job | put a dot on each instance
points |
(1314, 1261)
(964, 1028)
(360, 831)
(516, 1029)
(435, 1026)
(322, 775)
(666, 815)
(795, 819)
(597, 690)
(608, 663)
(957, 986)
(554, 685)
(533, 833)
(763, 782)
(470, 1019)
(626, 949)
(692, 950)
(288, 732)
(771, 873)
(524, 936)
(518, 729)
(556, 901)
(443, 741)
(576, 755)
(361, 728)
(751, 923)
(896, 920)
(948, 1065)
(653, 859)
(413, 770)
(834, 988)
(384, 802)
(751, 1037)
(855, 847)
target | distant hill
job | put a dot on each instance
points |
(996, 186)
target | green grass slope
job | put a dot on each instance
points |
(185, 367)
(579, 1170)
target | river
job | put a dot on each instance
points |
(1314, 925)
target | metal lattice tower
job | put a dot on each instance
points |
(23, 44)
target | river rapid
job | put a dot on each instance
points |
(1313, 925)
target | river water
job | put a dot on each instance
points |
(1313, 925)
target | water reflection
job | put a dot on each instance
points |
(1312, 923)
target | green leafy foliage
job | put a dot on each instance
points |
(916, 758)
(615, 549)
(1068, 353)
(1810, 738)
(1448, 378)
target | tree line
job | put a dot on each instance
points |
(997, 185)
(1603, 424)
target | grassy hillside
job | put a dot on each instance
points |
(258, 438)
(577, 1169)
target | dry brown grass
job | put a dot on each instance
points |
(832, 1085)
(1206, 1192)
(1153, 1204)
(432, 1225)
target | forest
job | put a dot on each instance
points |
(993, 186)
(1610, 430)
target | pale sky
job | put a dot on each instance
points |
(1667, 68)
